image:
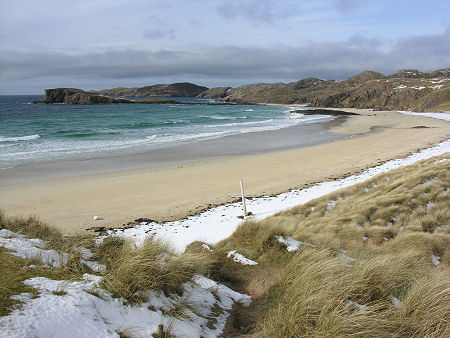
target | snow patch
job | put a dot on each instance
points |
(346, 259)
(436, 260)
(206, 247)
(291, 244)
(396, 302)
(441, 161)
(31, 248)
(361, 307)
(429, 181)
(330, 206)
(440, 116)
(84, 310)
(237, 257)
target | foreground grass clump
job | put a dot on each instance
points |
(379, 265)
(130, 270)
(152, 266)
(15, 270)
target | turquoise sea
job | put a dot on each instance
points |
(31, 133)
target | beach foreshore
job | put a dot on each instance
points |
(167, 192)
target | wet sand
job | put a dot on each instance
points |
(177, 183)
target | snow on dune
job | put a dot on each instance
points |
(81, 309)
(218, 223)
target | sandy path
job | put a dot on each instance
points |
(175, 191)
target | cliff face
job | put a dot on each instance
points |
(404, 90)
(184, 89)
(78, 96)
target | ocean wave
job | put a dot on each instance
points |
(19, 138)
(218, 117)
(294, 116)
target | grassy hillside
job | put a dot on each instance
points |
(404, 90)
(372, 260)
(371, 269)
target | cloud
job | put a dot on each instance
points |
(349, 6)
(270, 11)
(159, 34)
(258, 11)
(160, 29)
(327, 60)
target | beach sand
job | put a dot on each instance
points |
(174, 191)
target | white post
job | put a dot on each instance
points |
(243, 198)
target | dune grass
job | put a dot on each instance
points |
(152, 266)
(371, 272)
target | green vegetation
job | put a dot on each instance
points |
(371, 269)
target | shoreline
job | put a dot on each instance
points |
(173, 192)
(250, 143)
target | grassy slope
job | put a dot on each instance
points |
(391, 224)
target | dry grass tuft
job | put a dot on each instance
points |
(152, 266)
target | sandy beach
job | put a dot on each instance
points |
(171, 190)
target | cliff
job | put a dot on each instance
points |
(404, 90)
(78, 96)
(184, 89)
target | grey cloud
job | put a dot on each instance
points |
(159, 34)
(264, 11)
(324, 60)
(160, 29)
(269, 11)
(348, 6)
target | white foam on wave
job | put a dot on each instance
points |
(219, 117)
(19, 138)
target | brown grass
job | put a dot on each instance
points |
(403, 217)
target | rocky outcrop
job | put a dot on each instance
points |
(407, 89)
(184, 89)
(78, 96)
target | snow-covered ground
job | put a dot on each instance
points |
(31, 248)
(82, 309)
(440, 116)
(218, 223)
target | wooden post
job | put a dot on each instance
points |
(243, 198)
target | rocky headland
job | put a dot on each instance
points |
(404, 90)
(79, 96)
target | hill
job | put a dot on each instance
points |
(403, 90)
(184, 89)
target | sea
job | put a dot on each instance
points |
(33, 133)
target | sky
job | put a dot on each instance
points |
(95, 44)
